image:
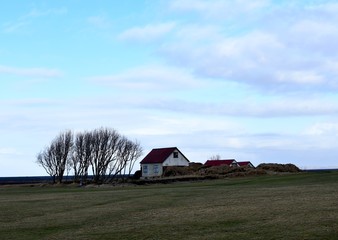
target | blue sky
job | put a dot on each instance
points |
(251, 80)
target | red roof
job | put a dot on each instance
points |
(219, 162)
(244, 163)
(159, 155)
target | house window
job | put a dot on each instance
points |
(156, 169)
(145, 169)
(175, 154)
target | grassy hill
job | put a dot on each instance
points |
(288, 206)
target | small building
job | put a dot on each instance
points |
(153, 163)
(246, 164)
(227, 162)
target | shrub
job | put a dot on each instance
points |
(227, 171)
(172, 171)
(195, 166)
(215, 170)
(275, 167)
(137, 174)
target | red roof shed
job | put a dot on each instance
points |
(228, 162)
(246, 164)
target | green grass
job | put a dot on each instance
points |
(295, 206)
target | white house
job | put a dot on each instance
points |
(152, 165)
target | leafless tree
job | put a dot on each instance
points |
(63, 147)
(129, 153)
(54, 159)
(104, 148)
(112, 154)
(81, 156)
(215, 157)
(46, 159)
(118, 164)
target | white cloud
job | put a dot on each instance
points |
(314, 35)
(247, 107)
(152, 77)
(168, 124)
(46, 12)
(202, 135)
(323, 128)
(195, 33)
(147, 33)
(30, 72)
(258, 59)
(301, 77)
(218, 8)
(286, 48)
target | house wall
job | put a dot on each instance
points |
(151, 170)
(180, 160)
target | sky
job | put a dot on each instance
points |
(251, 80)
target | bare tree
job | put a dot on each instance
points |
(112, 154)
(130, 153)
(54, 159)
(215, 157)
(62, 149)
(81, 156)
(46, 159)
(103, 147)
(103, 150)
(135, 152)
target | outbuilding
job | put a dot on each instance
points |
(246, 164)
(227, 162)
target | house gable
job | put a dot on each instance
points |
(176, 158)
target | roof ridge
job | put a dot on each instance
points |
(159, 155)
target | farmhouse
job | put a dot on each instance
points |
(246, 164)
(228, 162)
(152, 165)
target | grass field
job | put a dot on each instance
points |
(295, 206)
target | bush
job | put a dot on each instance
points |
(215, 170)
(227, 171)
(275, 167)
(137, 174)
(195, 166)
(178, 171)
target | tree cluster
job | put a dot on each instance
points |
(102, 152)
